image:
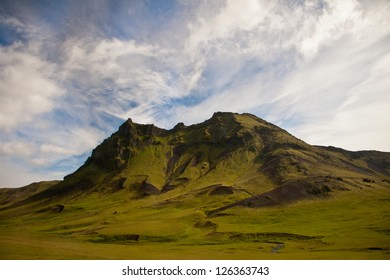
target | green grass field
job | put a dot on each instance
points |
(351, 225)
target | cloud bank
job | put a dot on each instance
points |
(71, 72)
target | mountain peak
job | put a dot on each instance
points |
(179, 126)
(229, 149)
(220, 114)
(245, 119)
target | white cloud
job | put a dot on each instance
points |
(338, 19)
(84, 139)
(234, 16)
(12, 22)
(74, 140)
(54, 149)
(27, 86)
(18, 25)
(104, 58)
(17, 175)
(16, 148)
(129, 71)
(39, 161)
(341, 98)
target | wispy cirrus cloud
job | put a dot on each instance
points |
(71, 72)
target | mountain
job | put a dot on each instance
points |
(231, 161)
(228, 154)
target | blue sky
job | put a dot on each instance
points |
(72, 71)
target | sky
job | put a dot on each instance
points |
(72, 71)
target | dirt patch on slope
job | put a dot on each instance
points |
(142, 189)
(220, 190)
(53, 209)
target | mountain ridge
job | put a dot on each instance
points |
(238, 151)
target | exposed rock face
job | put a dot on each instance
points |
(116, 150)
(144, 189)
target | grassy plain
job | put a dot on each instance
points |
(349, 225)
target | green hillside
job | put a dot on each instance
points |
(232, 187)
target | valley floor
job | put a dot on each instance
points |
(350, 226)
